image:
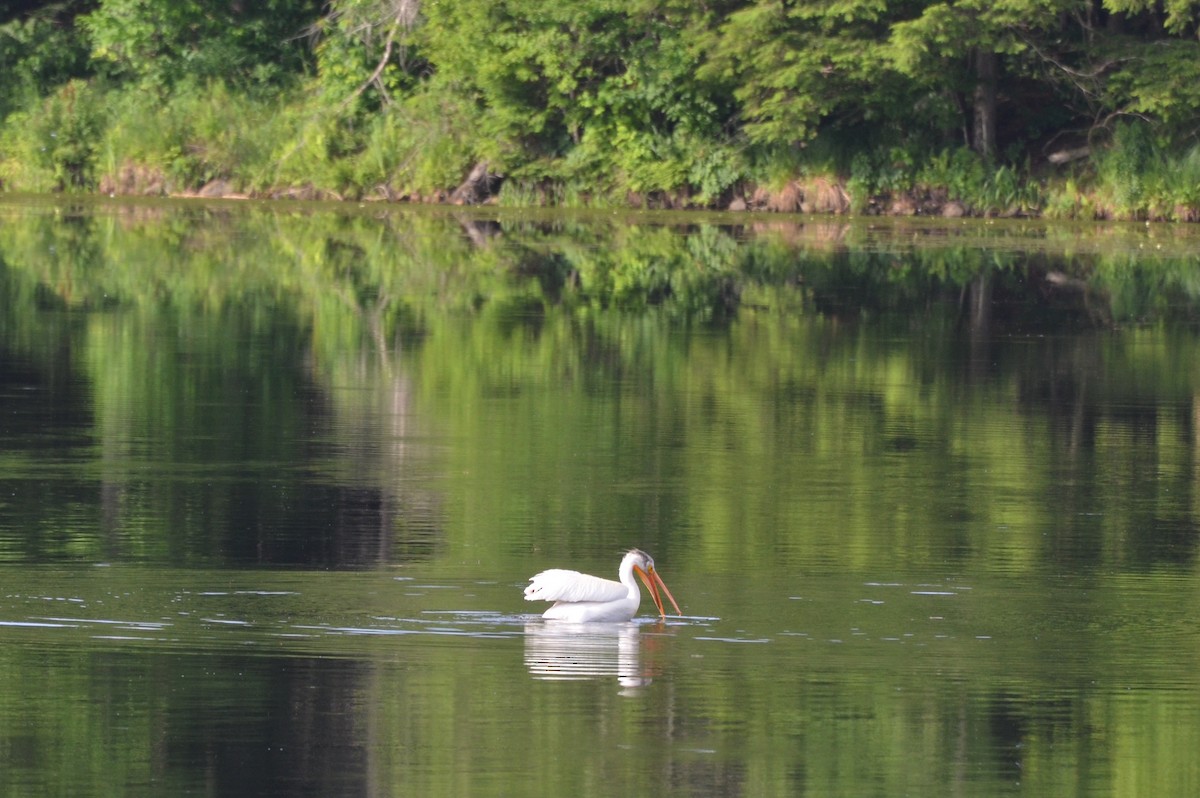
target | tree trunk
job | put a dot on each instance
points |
(985, 104)
(979, 326)
(478, 186)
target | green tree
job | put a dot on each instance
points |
(1178, 17)
(38, 51)
(613, 85)
(1091, 61)
(366, 45)
(163, 41)
(967, 51)
(794, 65)
(1147, 64)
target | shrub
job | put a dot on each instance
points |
(1183, 184)
(194, 134)
(1128, 168)
(58, 139)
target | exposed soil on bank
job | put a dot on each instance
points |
(819, 195)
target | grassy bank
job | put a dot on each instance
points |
(1053, 107)
(206, 139)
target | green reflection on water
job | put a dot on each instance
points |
(270, 682)
(945, 473)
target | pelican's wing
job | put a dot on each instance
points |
(560, 585)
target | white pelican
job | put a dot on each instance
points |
(579, 597)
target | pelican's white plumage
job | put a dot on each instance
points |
(581, 597)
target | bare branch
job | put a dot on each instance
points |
(387, 55)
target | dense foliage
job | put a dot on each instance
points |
(1069, 107)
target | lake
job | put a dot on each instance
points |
(273, 477)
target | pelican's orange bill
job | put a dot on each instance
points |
(653, 582)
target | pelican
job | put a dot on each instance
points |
(580, 597)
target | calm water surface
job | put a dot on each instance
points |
(272, 479)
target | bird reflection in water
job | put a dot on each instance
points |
(570, 651)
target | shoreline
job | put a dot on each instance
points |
(822, 197)
(1057, 199)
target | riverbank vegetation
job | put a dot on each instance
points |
(1066, 108)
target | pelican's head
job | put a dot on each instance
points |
(643, 565)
